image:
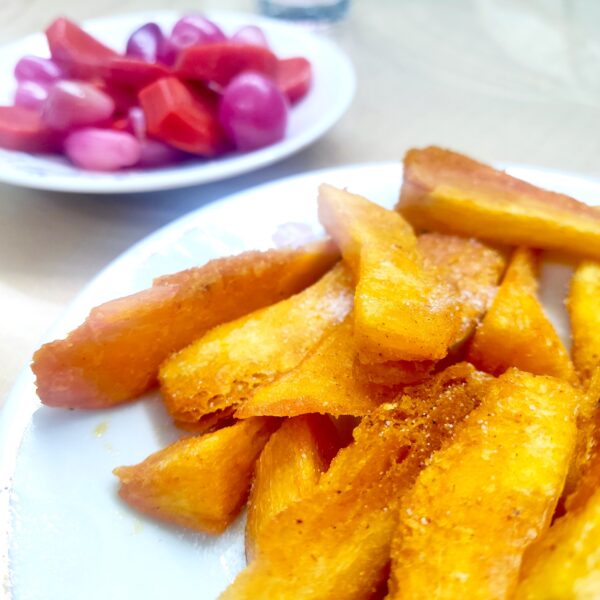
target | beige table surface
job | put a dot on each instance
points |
(499, 79)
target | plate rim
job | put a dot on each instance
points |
(156, 180)
(15, 418)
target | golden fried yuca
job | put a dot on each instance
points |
(402, 310)
(488, 494)
(209, 422)
(224, 367)
(337, 546)
(335, 543)
(324, 382)
(448, 192)
(582, 304)
(288, 469)
(588, 479)
(565, 563)
(329, 380)
(588, 438)
(198, 482)
(473, 270)
(585, 318)
(485, 487)
(115, 355)
(447, 396)
(516, 332)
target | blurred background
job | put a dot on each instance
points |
(509, 81)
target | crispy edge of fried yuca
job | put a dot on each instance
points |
(114, 356)
(488, 494)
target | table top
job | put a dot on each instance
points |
(501, 81)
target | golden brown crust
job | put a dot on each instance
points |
(335, 543)
(445, 191)
(402, 310)
(199, 482)
(516, 332)
(287, 470)
(115, 354)
(481, 500)
(227, 365)
(323, 382)
(428, 168)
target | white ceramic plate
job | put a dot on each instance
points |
(331, 94)
(66, 534)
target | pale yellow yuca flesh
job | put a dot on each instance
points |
(288, 469)
(515, 331)
(485, 497)
(403, 310)
(224, 367)
(449, 192)
(585, 318)
(568, 563)
(335, 543)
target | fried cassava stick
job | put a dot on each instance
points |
(115, 354)
(446, 191)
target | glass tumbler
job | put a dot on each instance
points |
(323, 11)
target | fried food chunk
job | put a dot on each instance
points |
(198, 482)
(210, 421)
(329, 380)
(324, 382)
(115, 354)
(224, 367)
(588, 440)
(402, 310)
(335, 543)
(448, 192)
(589, 475)
(488, 494)
(473, 270)
(565, 563)
(516, 332)
(585, 318)
(288, 469)
(582, 305)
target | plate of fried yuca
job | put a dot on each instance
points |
(367, 382)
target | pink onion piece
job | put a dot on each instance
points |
(153, 152)
(40, 70)
(137, 121)
(73, 104)
(251, 35)
(193, 30)
(167, 52)
(148, 43)
(143, 43)
(31, 94)
(102, 149)
(253, 111)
